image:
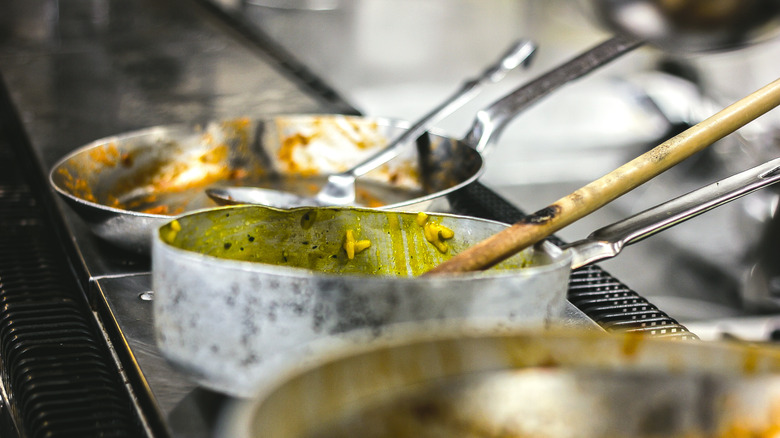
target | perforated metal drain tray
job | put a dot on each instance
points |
(58, 374)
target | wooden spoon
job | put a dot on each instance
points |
(591, 197)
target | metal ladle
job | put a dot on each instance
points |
(340, 188)
(689, 25)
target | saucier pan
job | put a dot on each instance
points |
(461, 382)
(242, 292)
(126, 186)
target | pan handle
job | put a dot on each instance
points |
(520, 53)
(607, 242)
(489, 122)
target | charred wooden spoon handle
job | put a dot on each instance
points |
(596, 194)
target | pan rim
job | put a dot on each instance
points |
(559, 258)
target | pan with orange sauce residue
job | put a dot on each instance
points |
(126, 186)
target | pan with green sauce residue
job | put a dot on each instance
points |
(240, 291)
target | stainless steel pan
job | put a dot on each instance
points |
(240, 291)
(466, 383)
(126, 186)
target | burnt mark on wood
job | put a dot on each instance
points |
(542, 216)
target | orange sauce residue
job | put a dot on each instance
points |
(288, 145)
(107, 155)
(747, 428)
(362, 142)
(163, 177)
(159, 209)
(744, 431)
(631, 343)
(207, 138)
(750, 359)
(77, 186)
(126, 159)
(365, 198)
(114, 202)
(345, 132)
(216, 155)
(241, 173)
(83, 190)
(160, 177)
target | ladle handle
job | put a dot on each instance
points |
(518, 54)
(596, 194)
(607, 242)
(490, 121)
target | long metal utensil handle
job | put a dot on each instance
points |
(489, 122)
(607, 242)
(519, 53)
(596, 194)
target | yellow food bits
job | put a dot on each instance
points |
(353, 246)
(169, 234)
(360, 245)
(435, 233)
(444, 232)
(422, 217)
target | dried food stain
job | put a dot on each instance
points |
(542, 216)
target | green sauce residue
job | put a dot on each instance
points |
(398, 246)
(313, 238)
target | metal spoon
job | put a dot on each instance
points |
(340, 188)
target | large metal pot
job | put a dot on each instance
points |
(126, 186)
(466, 383)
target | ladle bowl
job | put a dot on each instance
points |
(690, 25)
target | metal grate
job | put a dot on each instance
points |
(607, 301)
(54, 361)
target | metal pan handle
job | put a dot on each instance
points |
(518, 54)
(489, 122)
(607, 242)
